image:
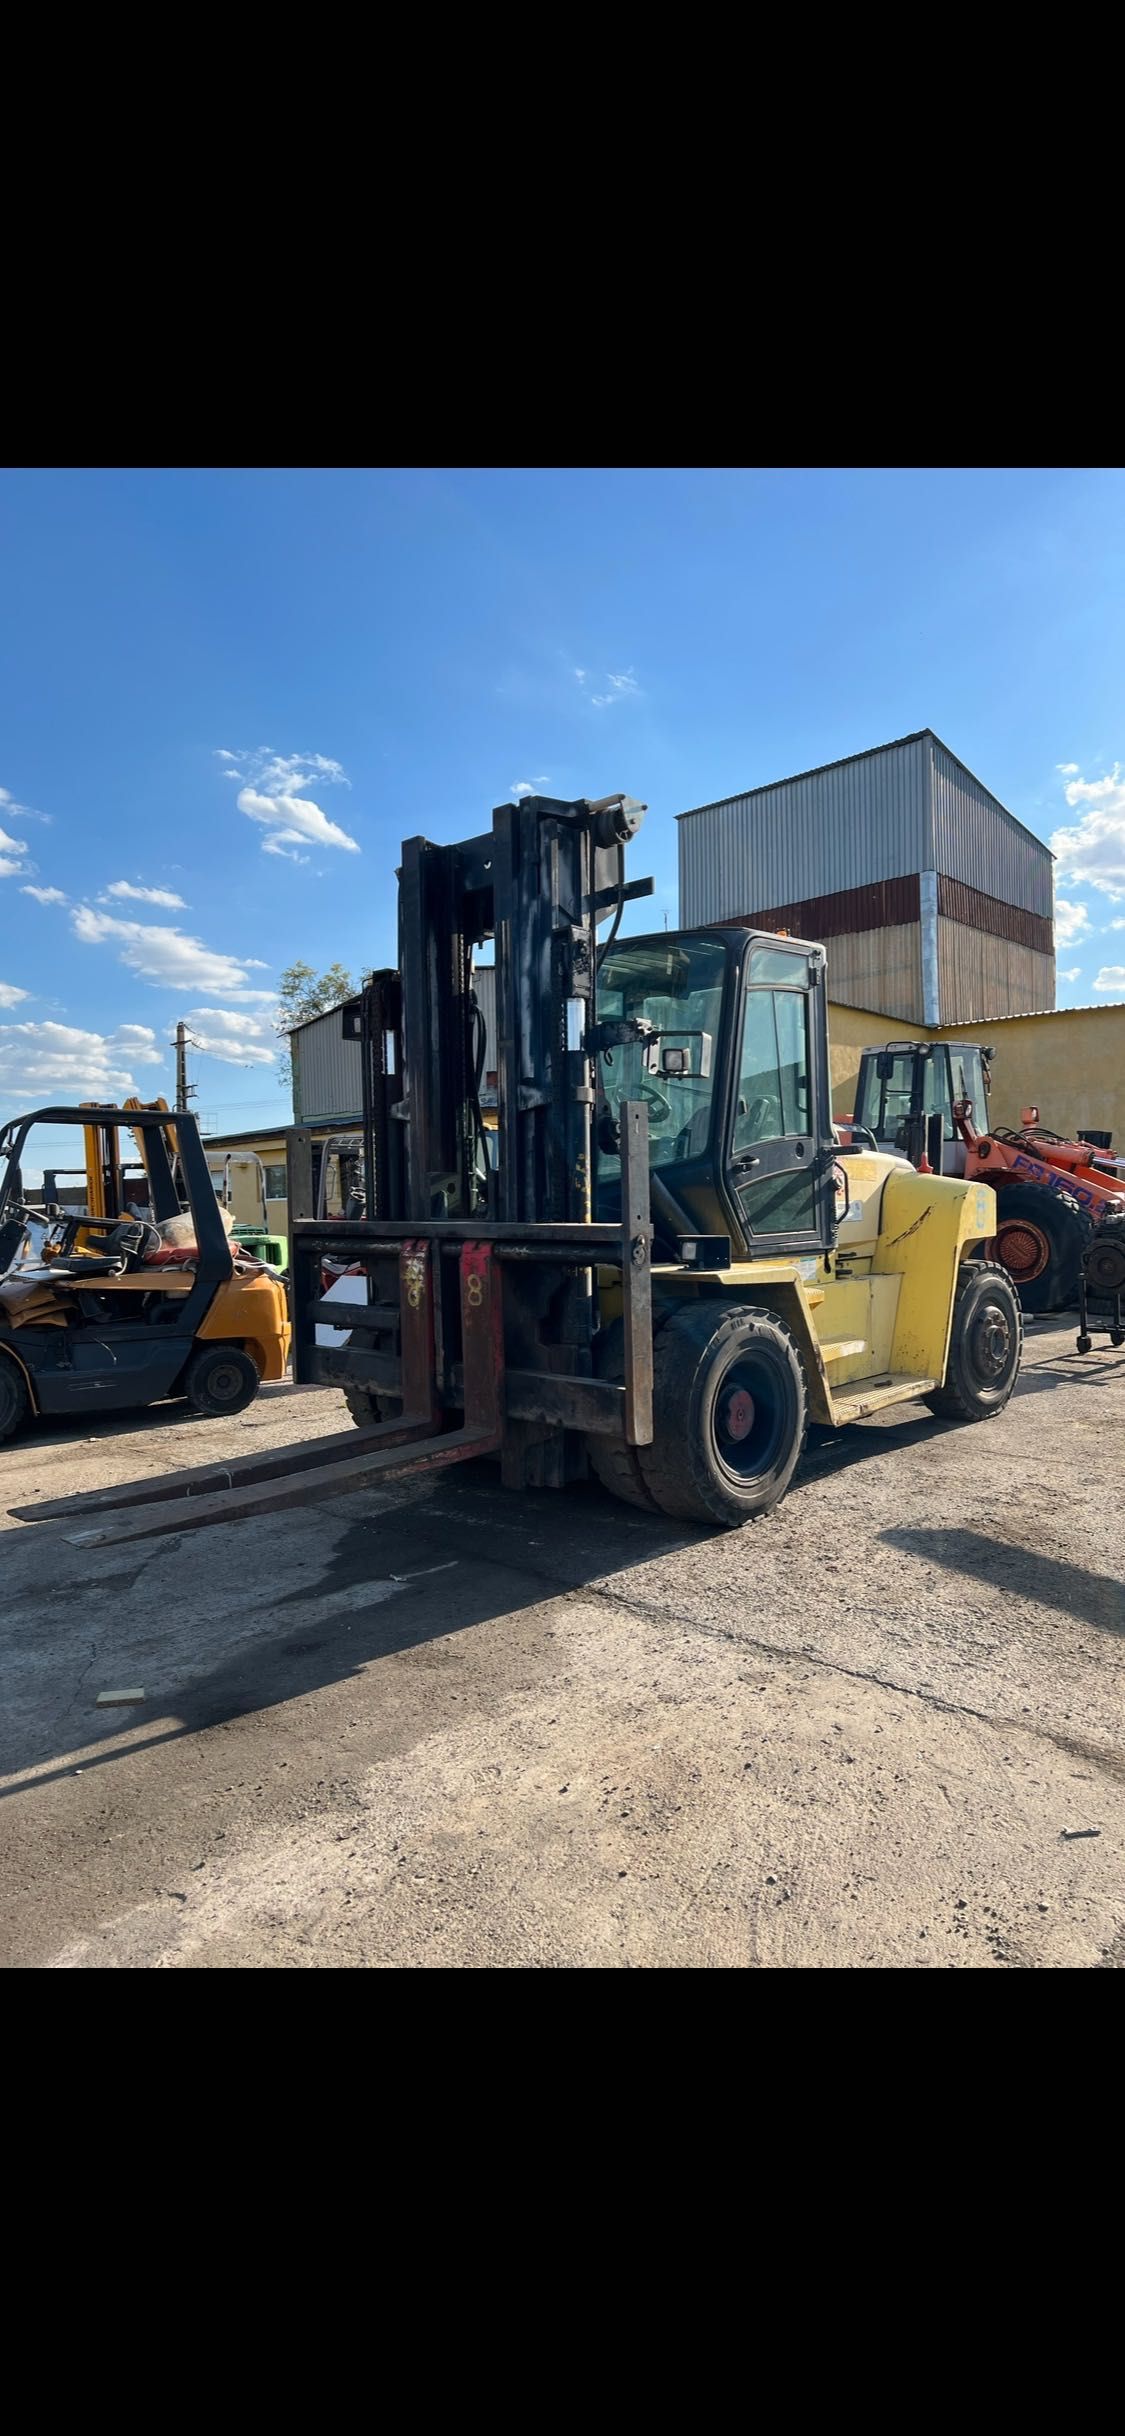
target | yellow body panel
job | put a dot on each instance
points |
(252, 1311)
(928, 1224)
(872, 1320)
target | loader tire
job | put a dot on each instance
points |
(616, 1465)
(14, 1400)
(730, 1414)
(1040, 1239)
(985, 1344)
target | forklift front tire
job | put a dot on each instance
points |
(730, 1413)
(220, 1379)
(985, 1343)
(14, 1401)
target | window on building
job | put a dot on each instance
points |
(277, 1183)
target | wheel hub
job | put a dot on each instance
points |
(1023, 1250)
(738, 1413)
(992, 1342)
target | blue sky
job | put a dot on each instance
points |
(226, 697)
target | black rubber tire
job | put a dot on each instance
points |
(702, 1466)
(1064, 1230)
(367, 1409)
(616, 1465)
(985, 1345)
(1107, 1245)
(221, 1380)
(15, 1403)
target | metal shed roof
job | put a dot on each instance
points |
(741, 794)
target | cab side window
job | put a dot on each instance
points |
(773, 1080)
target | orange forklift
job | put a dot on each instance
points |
(141, 1294)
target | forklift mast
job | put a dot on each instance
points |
(537, 884)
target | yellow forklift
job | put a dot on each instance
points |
(137, 1295)
(661, 1266)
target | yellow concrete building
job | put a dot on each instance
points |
(1069, 1064)
(267, 1144)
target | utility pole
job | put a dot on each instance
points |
(185, 1091)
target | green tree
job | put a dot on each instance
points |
(301, 993)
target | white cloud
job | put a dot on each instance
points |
(621, 688)
(9, 995)
(1068, 769)
(168, 957)
(581, 674)
(1118, 925)
(270, 791)
(13, 855)
(22, 811)
(45, 896)
(529, 786)
(285, 842)
(239, 1040)
(1075, 973)
(1111, 977)
(1093, 850)
(1070, 922)
(40, 1060)
(144, 896)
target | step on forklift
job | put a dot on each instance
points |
(661, 1266)
(136, 1296)
(922, 1099)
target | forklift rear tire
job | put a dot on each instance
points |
(1040, 1239)
(220, 1379)
(730, 1413)
(985, 1342)
(14, 1402)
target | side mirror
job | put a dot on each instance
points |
(884, 1066)
(677, 1062)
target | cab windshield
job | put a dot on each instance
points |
(677, 986)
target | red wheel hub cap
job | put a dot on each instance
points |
(739, 1415)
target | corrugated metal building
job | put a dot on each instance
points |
(936, 905)
(327, 1071)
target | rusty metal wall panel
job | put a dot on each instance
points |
(837, 828)
(879, 969)
(327, 1072)
(980, 976)
(976, 840)
(849, 909)
(961, 903)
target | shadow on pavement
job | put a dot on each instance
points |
(440, 1564)
(1093, 1598)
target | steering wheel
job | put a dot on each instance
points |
(658, 1100)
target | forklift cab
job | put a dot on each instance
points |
(733, 1067)
(906, 1094)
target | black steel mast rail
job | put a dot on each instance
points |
(547, 1235)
